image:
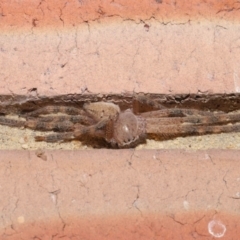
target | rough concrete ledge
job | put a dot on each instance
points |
(119, 194)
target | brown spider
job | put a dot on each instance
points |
(103, 120)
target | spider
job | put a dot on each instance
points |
(123, 129)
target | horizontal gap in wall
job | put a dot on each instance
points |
(216, 102)
(24, 138)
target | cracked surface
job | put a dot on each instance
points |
(62, 47)
(56, 47)
(62, 13)
(123, 194)
(92, 59)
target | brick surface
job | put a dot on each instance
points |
(125, 194)
(154, 46)
(61, 47)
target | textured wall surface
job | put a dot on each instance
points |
(51, 47)
(156, 46)
(127, 194)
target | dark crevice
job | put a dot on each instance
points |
(15, 104)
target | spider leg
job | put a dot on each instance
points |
(58, 126)
(74, 119)
(218, 118)
(56, 109)
(11, 122)
(161, 111)
(189, 129)
(175, 112)
(98, 130)
(57, 137)
(37, 124)
(140, 100)
(95, 131)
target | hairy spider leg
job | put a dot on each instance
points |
(175, 112)
(217, 118)
(36, 124)
(11, 122)
(174, 130)
(141, 99)
(72, 118)
(98, 130)
(56, 109)
(57, 123)
(95, 131)
(65, 126)
(57, 137)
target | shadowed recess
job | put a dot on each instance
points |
(16, 104)
(121, 121)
